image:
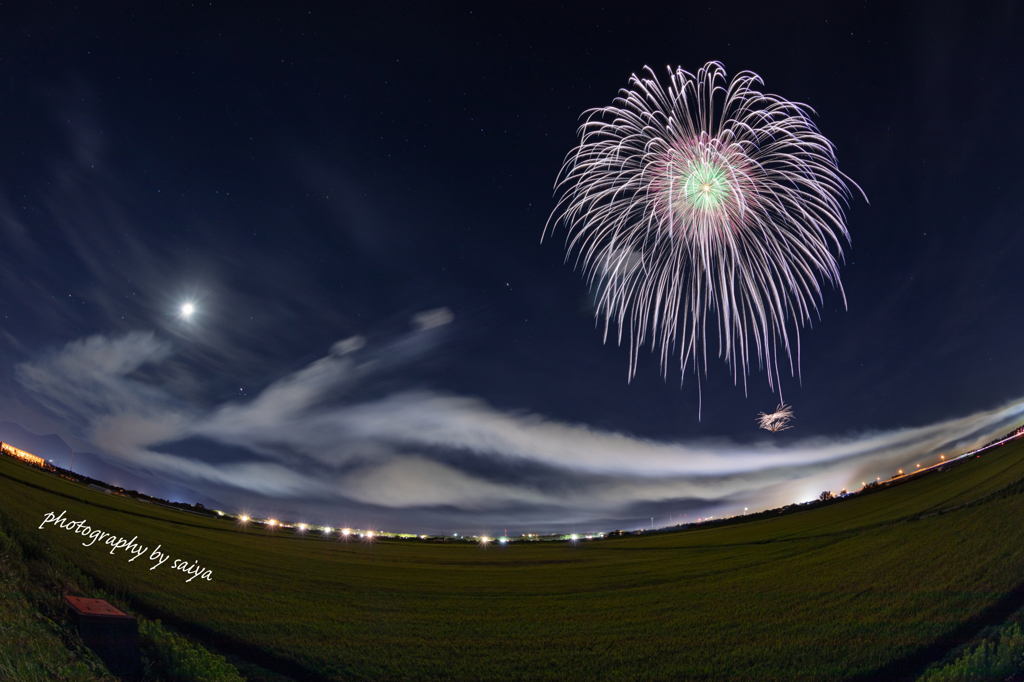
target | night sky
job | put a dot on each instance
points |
(353, 200)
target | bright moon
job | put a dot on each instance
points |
(188, 309)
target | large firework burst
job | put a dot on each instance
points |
(706, 205)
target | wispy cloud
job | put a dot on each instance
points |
(310, 440)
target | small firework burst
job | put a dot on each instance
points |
(777, 420)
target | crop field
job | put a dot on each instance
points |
(874, 587)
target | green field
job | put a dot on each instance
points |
(874, 587)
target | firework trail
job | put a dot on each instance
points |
(705, 206)
(777, 420)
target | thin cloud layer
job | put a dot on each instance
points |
(309, 440)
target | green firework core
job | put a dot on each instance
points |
(705, 185)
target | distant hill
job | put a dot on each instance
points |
(53, 448)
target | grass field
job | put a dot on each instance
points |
(875, 587)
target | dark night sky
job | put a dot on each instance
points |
(307, 175)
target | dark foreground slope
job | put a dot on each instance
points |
(871, 588)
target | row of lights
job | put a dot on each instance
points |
(347, 532)
(302, 527)
(942, 458)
